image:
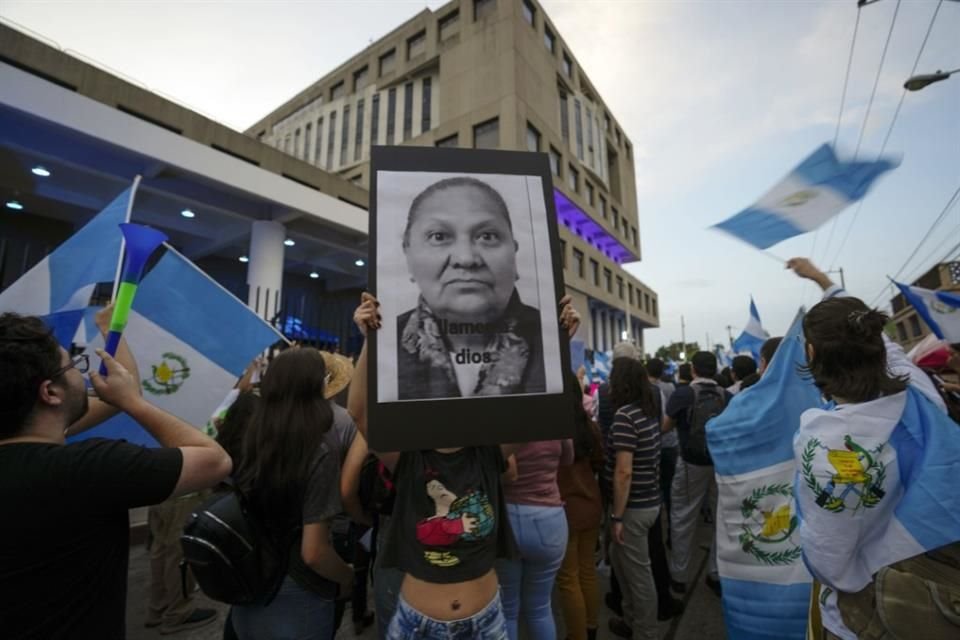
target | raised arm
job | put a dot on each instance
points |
(350, 481)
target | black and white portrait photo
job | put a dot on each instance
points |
(465, 275)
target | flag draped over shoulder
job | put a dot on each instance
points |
(753, 335)
(766, 588)
(939, 309)
(816, 190)
(191, 339)
(58, 288)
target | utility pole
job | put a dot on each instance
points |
(840, 271)
(730, 334)
(683, 338)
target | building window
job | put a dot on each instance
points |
(296, 143)
(633, 232)
(447, 25)
(915, 326)
(357, 179)
(603, 207)
(606, 121)
(450, 141)
(564, 118)
(578, 261)
(306, 141)
(578, 125)
(589, 189)
(358, 139)
(425, 106)
(646, 302)
(627, 145)
(617, 132)
(344, 134)
(391, 114)
(375, 119)
(563, 253)
(654, 307)
(529, 12)
(318, 146)
(567, 65)
(901, 332)
(608, 279)
(549, 40)
(407, 110)
(360, 78)
(483, 8)
(330, 139)
(533, 138)
(416, 45)
(616, 219)
(336, 91)
(630, 292)
(486, 135)
(595, 272)
(590, 137)
(573, 178)
(286, 144)
(388, 61)
(620, 287)
(555, 162)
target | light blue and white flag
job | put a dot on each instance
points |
(191, 339)
(58, 288)
(816, 190)
(766, 588)
(724, 357)
(876, 484)
(753, 335)
(939, 309)
(600, 371)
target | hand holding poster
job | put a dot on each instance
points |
(466, 266)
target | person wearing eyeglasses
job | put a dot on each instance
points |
(64, 541)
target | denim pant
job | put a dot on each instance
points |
(295, 614)
(486, 624)
(386, 582)
(527, 582)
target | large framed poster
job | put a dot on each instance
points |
(465, 261)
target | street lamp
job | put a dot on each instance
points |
(915, 83)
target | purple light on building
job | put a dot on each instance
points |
(582, 225)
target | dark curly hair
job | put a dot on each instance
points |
(629, 384)
(849, 355)
(29, 354)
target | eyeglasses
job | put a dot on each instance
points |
(81, 363)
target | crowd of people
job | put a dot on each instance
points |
(464, 542)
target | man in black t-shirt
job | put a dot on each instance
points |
(64, 541)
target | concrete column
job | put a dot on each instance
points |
(265, 269)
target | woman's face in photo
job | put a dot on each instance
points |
(462, 255)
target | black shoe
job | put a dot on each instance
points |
(620, 628)
(678, 587)
(672, 609)
(714, 585)
(613, 604)
(199, 618)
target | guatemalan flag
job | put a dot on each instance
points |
(191, 339)
(816, 190)
(939, 309)
(58, 288)
(753, 335)
(766, 587)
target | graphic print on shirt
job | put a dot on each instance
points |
(466, 518)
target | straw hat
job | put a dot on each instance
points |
(339, 373)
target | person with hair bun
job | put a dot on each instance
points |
(878, 530)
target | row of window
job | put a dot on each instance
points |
(486, 135)
(609, 328)
(649, 304)
(309, 147)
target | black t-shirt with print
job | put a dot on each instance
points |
(65, 534)
(449, 521)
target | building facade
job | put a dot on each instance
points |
(906, 326)
(492, 74)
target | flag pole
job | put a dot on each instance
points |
(123, 241)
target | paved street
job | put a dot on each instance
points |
(702, 619)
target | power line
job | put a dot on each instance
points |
(893, 123)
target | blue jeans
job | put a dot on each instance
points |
(527, 583)
(486, 624)
(295, 614)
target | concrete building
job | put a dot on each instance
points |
(906, 326)
(490, 74)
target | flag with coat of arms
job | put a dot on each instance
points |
(939, 309)
(753, 336)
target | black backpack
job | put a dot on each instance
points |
(709, 400)
(232, 556)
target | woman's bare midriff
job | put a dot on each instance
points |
(450, 601)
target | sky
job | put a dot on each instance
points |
(720, 98)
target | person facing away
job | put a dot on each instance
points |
(289, 473)
(449, 524)
(687, 412)
(669, 440)
(876, 481)
(469, 334)
(743, 367)
(65, 539)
